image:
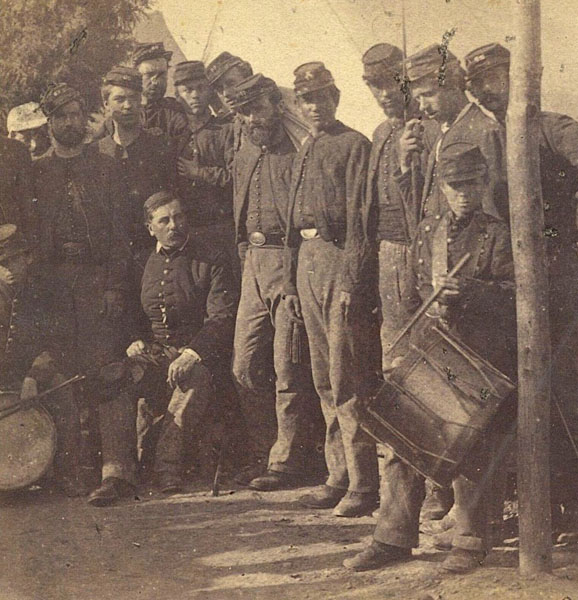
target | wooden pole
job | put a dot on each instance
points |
(528, 242)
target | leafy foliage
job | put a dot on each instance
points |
(74, 41)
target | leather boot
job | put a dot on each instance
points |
(356, 504)
(377, 555)
(329, 497)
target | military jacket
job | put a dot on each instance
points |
(279, 159)
(189, 298)
(168, 115)
(141, 169)
(209, 195)
(24, 335)
(88, 180)
(330, 171)
(16, 190)
(484, 315)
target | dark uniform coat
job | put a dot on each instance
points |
(484, 316)
(331, 171)
(16, 190)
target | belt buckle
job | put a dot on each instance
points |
(309, 234)
(257, 238)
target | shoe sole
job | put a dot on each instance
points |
(361, 568)
(101, 502)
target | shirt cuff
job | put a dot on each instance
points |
(192, 353)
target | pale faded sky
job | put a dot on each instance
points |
(278, 35)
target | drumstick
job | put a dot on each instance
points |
(9, 410)
(429, 301)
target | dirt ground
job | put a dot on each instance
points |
(243, 544)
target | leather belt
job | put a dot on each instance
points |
(257, 238)
(309, 234)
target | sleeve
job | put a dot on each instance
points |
(494, 150)
(410, 298)
(356, 244)
(120, 259)
(215, 338)
(178, 125)
(561, 132)
(212, 162)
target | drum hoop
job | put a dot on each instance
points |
(407, 440)
(54, 437)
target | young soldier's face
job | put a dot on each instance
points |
(68, 124)
(464, 197)
(389, 96)
(123, 105)
(168, 224)
(492, 89)
(14, 270)
(318, 108)
(196, 95)
(154, 75)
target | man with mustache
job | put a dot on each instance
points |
(158, 111)
(264, 332)
(324, 286)
(189, 300)
(437, 83)
(205, 183)
(487, 70)
(478, 306)
(82, 262)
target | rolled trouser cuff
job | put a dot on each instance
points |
(467, 542)
(114, 469)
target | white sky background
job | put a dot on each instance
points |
(276, 36)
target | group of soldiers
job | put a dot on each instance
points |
(242, 229)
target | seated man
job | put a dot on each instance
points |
(28, 357)
(477, 305)
(189, 299)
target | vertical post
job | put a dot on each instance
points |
(527, 222)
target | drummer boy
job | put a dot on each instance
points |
(27, 356)
(477, 305)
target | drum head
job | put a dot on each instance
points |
(27, 447)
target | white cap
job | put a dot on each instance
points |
(25, 116)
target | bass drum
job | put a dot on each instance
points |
(27, 443)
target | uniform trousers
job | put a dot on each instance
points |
(265, 336)
(337, 366)
(64, 412)
(394, 259)
(183, 409)
(403, 492)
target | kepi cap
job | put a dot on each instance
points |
(461, 162)
(150, 51)
(381, 60)
(220, 65)
(485, 57)
(311, 77)
(190, 70)
(126, 77)
(250, 89)
(57, 96)
(25, 116)
(429, 61)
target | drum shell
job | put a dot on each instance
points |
(27, 444)
(434, 408)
